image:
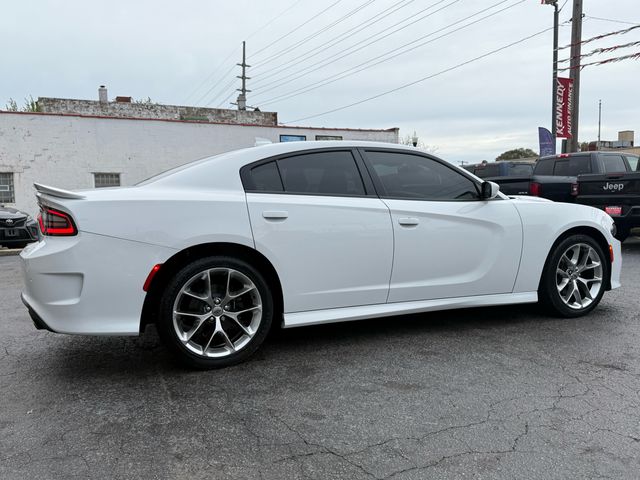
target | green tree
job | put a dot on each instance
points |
(11, 105)
(516, 153)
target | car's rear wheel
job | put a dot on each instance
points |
(215, 312)
(573, 280)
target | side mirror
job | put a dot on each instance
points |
(489, 190)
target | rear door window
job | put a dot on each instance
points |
(633, 163)
(321, 173)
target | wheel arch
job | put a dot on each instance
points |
(583, 230)
(183, 257)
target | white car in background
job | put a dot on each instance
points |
(217, 251)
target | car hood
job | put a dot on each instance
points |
(8, 212)
(529, 199)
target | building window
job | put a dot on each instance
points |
(106, 180)
(6, 188)
(328, 137)
(293, 138)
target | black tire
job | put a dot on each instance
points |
(548, 294)
(184, 352)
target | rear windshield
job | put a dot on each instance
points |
(488, 170)
(564, 167)
(517, 169)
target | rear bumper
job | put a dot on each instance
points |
(37, 320)
(88, 284)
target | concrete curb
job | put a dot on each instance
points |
(5, 252)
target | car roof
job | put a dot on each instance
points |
(229, 163)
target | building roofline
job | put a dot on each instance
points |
(200, 122)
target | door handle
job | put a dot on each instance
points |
(408, 221)
(275, 215)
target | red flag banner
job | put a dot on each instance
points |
(564, 96)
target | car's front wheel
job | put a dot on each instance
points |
(573, 280)
(215, 312)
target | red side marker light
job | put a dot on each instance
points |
(152, 273)
(611, 253)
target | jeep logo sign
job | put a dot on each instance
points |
(613, 187)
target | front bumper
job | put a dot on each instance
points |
(20, 234)
(88, 284)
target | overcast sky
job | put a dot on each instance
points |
(168, 50)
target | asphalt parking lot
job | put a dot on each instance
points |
(484, 393)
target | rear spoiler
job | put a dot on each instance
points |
(56, 192)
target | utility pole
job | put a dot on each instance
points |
(599, 120)
(576, 49)
(554, 82)
(242, 98)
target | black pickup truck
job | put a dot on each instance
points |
(618, 194)
(556, 177)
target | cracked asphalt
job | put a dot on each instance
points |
(484, 393)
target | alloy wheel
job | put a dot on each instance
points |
(579, 276)
(217, 312)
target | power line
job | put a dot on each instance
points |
(210, 76)
(233, 52)
(313, 17)
(349, 51)
(420, 80)
(598, 51)
(612, 20)
(224, 75)
(297, 44)
(632, 56)
(390, 54)
(318, 50)
(599, 37)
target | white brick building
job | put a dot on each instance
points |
(75, 149)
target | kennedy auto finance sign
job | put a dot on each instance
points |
(564, 97)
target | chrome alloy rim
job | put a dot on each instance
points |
(579, 276)
(217, 312)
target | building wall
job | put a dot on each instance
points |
(65, 150)
(154, 111)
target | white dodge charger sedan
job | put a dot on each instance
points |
(216, 251)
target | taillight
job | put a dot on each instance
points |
(56, 223)
(574, 189)
(534, 189)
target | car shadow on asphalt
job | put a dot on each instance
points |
(143, 356)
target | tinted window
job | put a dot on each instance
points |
(323, 173)
(266, 178)
(613, 164)
(572, 166)
(517, 169)
(488, 170)
(544, 167)
(412, 176)
(633, 162)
